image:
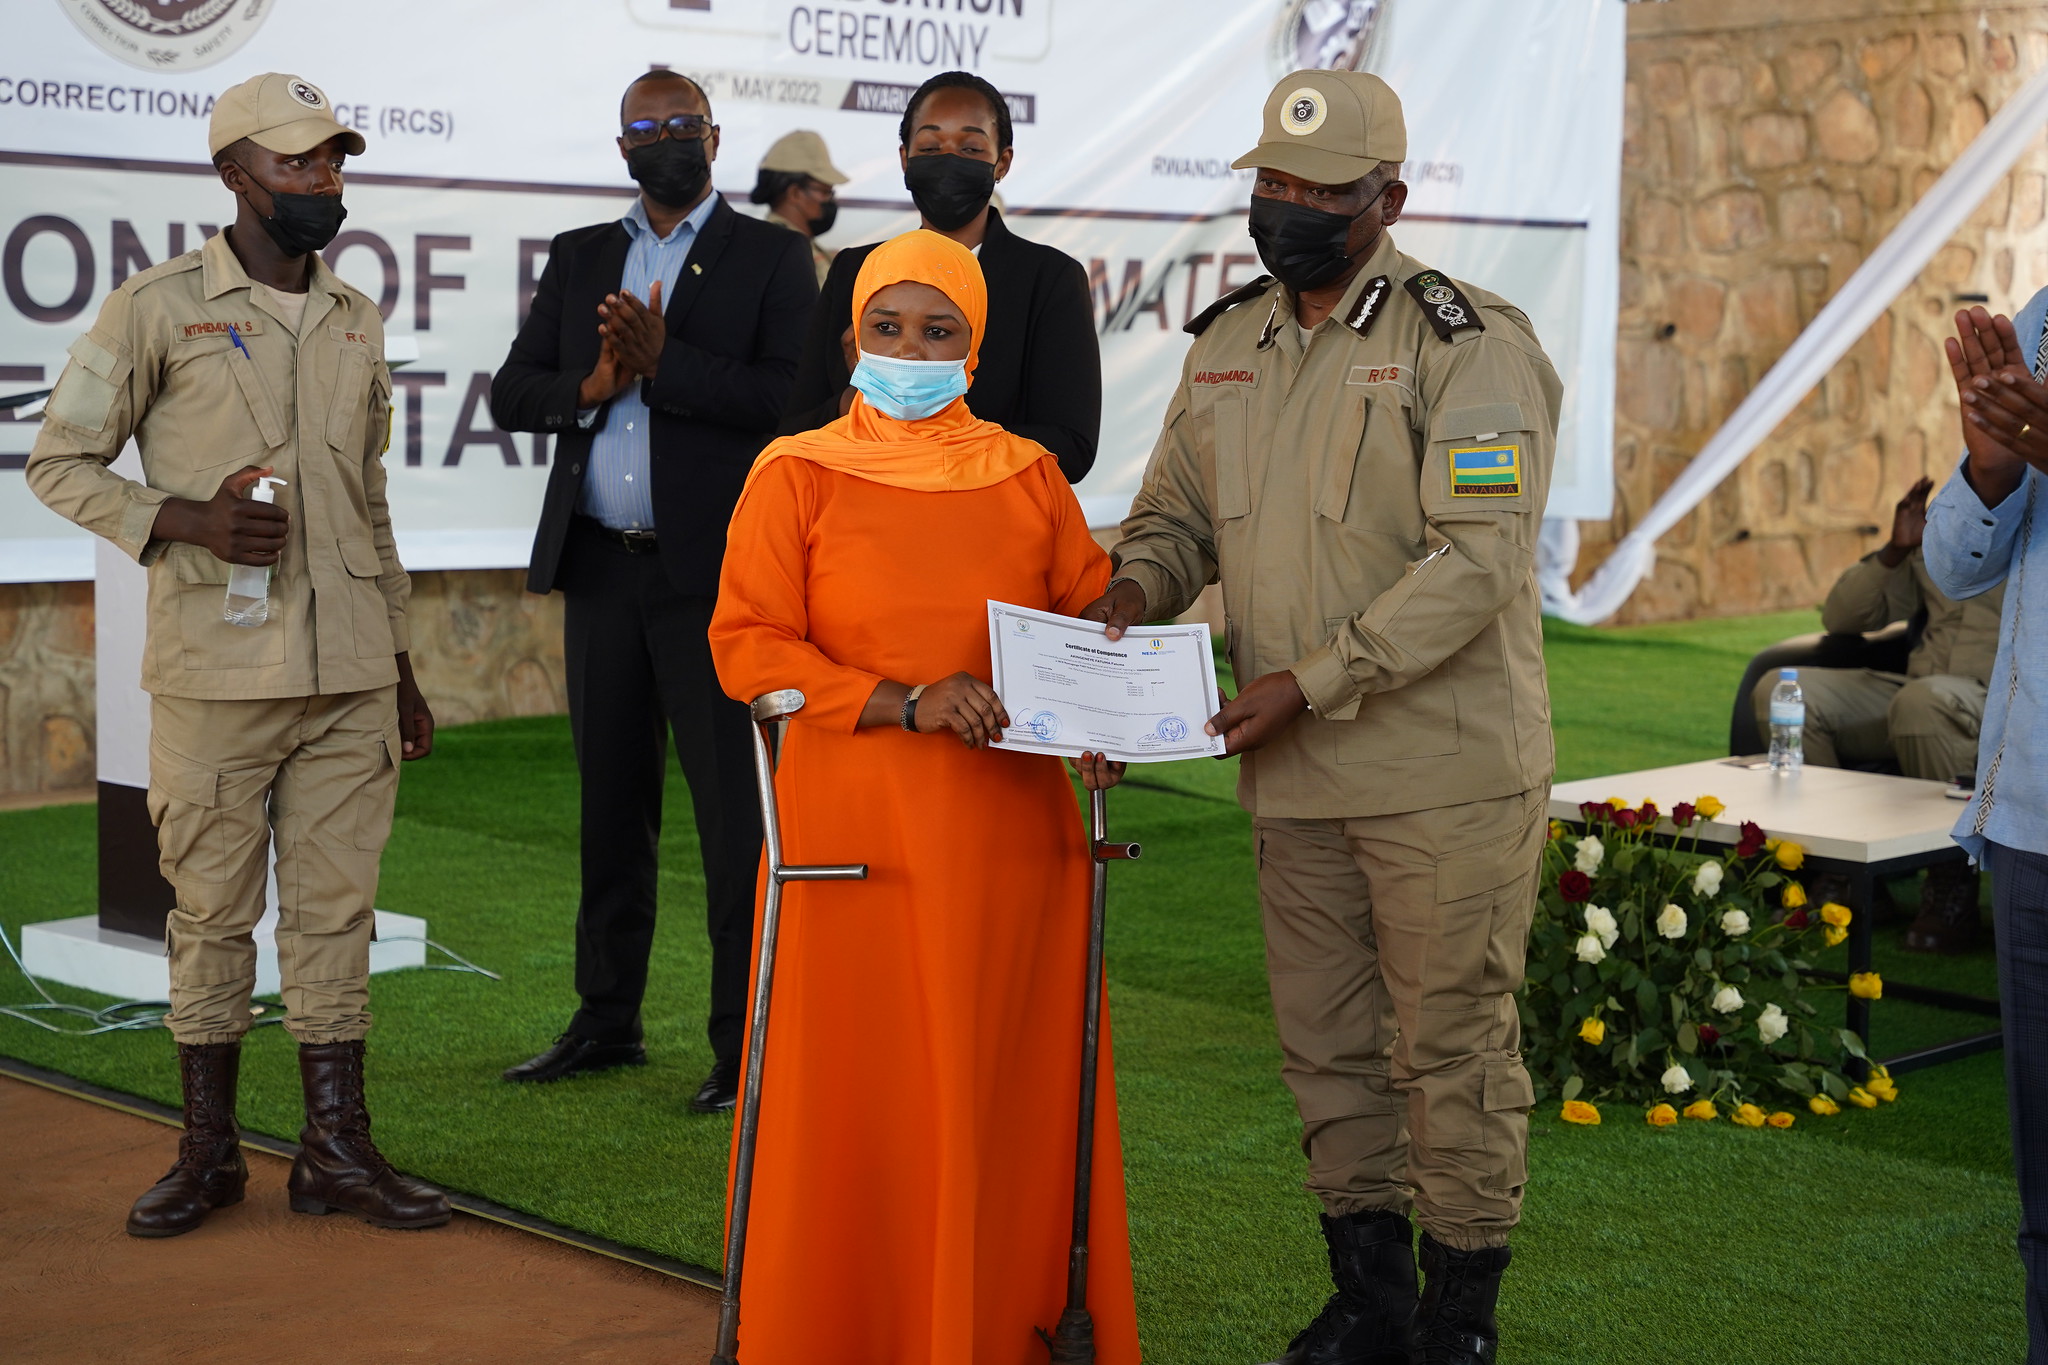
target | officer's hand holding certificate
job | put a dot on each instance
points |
(1070, 689)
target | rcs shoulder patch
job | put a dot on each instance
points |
(1443, 303)
(1493, 471)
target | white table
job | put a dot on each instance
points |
(1862, 826)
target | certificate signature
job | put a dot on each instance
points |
(1070, 689)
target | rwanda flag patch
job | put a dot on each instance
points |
(1486, 471)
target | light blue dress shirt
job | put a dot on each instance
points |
(615, 483)
(1970, 549)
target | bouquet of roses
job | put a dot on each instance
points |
(1659, 974)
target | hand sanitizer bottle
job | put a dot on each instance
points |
(248, 601)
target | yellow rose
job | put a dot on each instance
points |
(1663, 1116)
(1749, 1116)
(1557, 830)
(1593, 1031)
(1709, 806)
(1617, 803)
(1781, 1119)
(1884, 1087)
(1789, 855)
(1822, 1105)
(1833, 935)
(1836, 914)
(1866, 986)
(1702, 1109)
(1793, 896)
(1578, 1111)
(1862, 1098)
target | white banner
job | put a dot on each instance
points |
(490, 128)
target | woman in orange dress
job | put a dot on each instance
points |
(913, 1182)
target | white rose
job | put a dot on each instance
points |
(1677, 1080)
(1600, 920)
(1590, 854)
(1771, 1025)
(1590, 949)
(1727, 1000)
(1707, 881)
(1671, 922)
(1735, 923)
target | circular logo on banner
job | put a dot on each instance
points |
(1329, 35)
(1305, 112)
(168, 35)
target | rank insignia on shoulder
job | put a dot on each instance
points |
(1444, 304)
(1199, 323)
(1369, 303)
(1493, 471)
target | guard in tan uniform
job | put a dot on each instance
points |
(244, 359)
(798, 184)
(1359, 452)
(1925, 719)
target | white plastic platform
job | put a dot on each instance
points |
(77, 952)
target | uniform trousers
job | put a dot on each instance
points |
(1854, 716)
(1394, 946)
(321, 774)
(2019, 914)
(639, 665)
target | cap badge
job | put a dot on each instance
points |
(1304, 111)
(305, 94)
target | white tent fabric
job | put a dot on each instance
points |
(1895, 263)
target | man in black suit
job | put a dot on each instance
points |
(660, 348)
(1040, 372)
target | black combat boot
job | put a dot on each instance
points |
(210, 1172)
(339, 1168)
(1455, 1324)
(1370, 1319)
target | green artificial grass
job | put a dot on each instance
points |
(1874, 1237)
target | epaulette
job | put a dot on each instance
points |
(1443, 303)
(177, 265)
(1199, 323)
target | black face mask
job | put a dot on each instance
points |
(300, 223)
(948, 189)
(673, 173)
(827, 216)
(1303, 247)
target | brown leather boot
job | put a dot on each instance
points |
(339, 1169)
(1949, 921)
(210, 1172)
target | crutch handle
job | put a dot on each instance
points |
(1106, 852)
(828, 872)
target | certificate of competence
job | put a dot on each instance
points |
(1070, 689)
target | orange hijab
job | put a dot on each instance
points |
(949, 451)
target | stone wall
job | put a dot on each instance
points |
(1769, 147)
(484, 648)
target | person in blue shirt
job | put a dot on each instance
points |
(1982, 531)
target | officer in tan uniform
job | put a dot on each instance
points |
(797, 182)
(1925, 720)
(1359, 453)
(249, 358)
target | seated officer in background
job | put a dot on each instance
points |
(242, 359)
(1925, 719)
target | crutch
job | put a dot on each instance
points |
(768, 709)
(1073, 1341)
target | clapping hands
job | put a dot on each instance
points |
(2005, 409)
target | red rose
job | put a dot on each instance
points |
(1682, 814)
(1648, 814)
(1626, 818)
(1709, 1035)
(1797, 920)
(1593, 812)
(1752, 841)
(1574, 885)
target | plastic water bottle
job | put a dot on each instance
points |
(248, 601)
(1788, 722)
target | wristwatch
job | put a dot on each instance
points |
(910, 707)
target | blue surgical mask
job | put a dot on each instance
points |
(909, 389)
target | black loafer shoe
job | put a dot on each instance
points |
(720, 1091)
(571, 1054)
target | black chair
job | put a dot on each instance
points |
(1886, 650)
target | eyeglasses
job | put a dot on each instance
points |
(681, 128)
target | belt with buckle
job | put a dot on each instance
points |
(632, 542)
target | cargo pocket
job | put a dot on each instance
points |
(1229, 430)
(351, 396)
(1416, 721)
(209, 641)
(377, 795)
(1508, 1097)
(183, 801)
(370, 612)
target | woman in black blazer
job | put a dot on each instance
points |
(1041, 369)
